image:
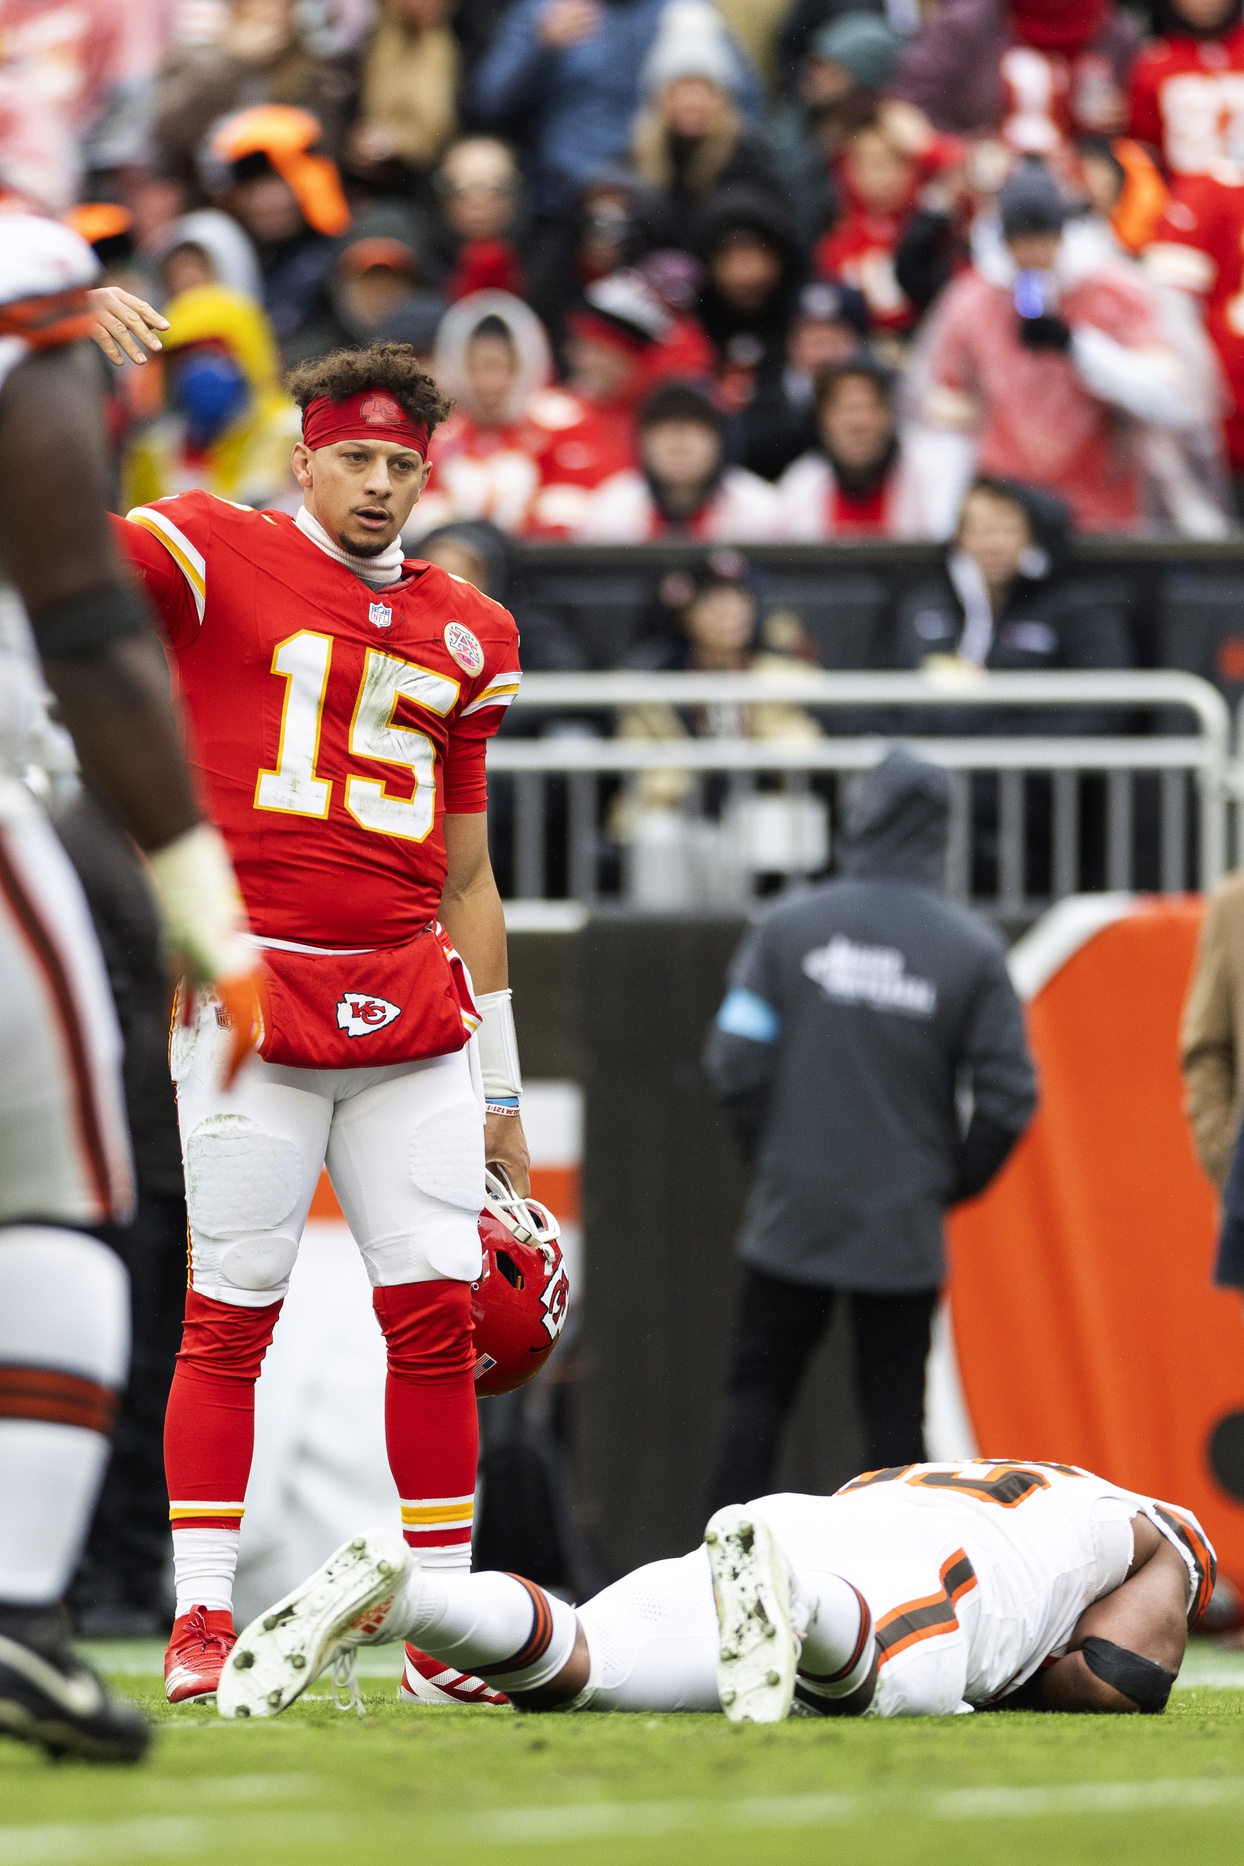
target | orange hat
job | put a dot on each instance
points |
(286, 135)
(99, 220)
(393, 255)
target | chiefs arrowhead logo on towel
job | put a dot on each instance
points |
(361, 1012)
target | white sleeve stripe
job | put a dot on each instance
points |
(488, 699)
(189, 561)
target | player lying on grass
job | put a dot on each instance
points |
(917, 1591)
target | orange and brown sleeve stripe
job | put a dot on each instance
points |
(58, 317)
(930, 1617)
(1202, 1554)
(541, 1633)
(57, 1399)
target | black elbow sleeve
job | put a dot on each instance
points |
(79, 626)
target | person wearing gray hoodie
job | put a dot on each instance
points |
(871, 1051)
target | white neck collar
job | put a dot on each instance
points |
(384, 568)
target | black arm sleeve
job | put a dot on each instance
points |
(78, 626)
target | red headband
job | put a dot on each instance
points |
(372, 415)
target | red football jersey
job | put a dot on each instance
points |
(1199, 247)
(331, 724)
(1188, 101)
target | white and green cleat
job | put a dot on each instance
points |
(343, 1605)
(758, 1653)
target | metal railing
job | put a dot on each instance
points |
(1034, 815)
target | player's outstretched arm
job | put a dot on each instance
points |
(472, 915)
(105, 666)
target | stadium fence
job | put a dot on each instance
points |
(1145, 799)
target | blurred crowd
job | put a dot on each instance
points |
(757, 271)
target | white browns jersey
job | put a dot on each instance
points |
(976, 1574)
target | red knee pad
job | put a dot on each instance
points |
(224, 1339)
(427, 1328)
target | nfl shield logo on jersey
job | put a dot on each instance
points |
(361, 1012)
(380, 614)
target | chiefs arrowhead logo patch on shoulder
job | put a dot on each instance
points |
(464, 649)
(361, 1012)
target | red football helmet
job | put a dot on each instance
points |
(519, 1304)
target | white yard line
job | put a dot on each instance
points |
(162, 1837)
(603, 1820)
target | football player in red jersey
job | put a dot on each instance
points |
(1187, 86)
(339, 700)
(1198, 247)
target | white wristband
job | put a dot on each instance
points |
(204, 920)
(498, 1045)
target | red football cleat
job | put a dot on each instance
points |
(200, 1643)
(427, 1681)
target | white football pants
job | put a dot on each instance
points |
(403, 1144)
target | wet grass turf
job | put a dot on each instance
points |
(415, 1785)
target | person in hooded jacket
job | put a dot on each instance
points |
(227, 424)
(857, 1014)
(753, 269)
(511, 435)
(377, 274)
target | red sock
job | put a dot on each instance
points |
(430, 1419)
(209, 1427)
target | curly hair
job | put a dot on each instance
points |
(393, 367)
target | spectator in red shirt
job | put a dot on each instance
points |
(622, 340)
(475, 246)
(1048, 362)
(851, 484)
(878, 177)
(1186, 87)
(1035, 71)
(683, 486)
(1198, 248)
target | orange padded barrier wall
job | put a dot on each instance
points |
(1085, 1323)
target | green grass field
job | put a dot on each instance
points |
(428, 1785)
